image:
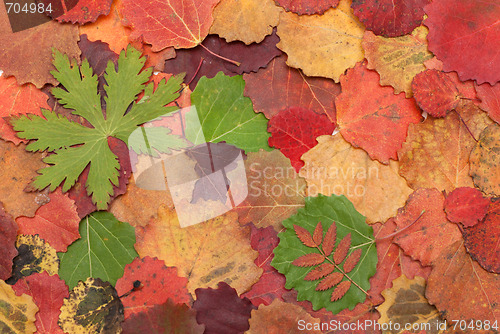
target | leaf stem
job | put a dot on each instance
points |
(459, 116)
(234, 62)
(197, 70)
(401, 230)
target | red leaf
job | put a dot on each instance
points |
(279, 87)
(352, 261)
(431, 233)
(304, 236)
(158, 281)
(294, 132)
(330, 239)
(221, 310)
(390, 18)
(8, 235)
(490, 99)
(320, 272)
(56, 222)
(17, 100)
(340, 290)
(318, 234)
(271, 284)
(342, 249)
(330, 281)
(165, 318)
(464, 35)
(482, 242)
(466, 205)
(372, 117)
(252, 57)
(307, 7)
(80, 11)
(308, 260)
(48, 293)
(182, 24)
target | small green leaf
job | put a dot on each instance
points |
(225, 115)
(105, 248)
(327, 209)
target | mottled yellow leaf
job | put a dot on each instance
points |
(324, 45)
(17, 313)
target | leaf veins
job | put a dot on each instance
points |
(330, 281)
(352, 261)
(304, 236)
(308, 260)
(320, 272)
(340, 290)
(342, 249)
(330, 238)
(318, 234)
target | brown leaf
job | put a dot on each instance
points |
(330, 281)
(340, 290)
(320, 272)
(330, 238)
(342, 249)
(352, 260)
(304, 236)
(308, 260)
(318, 234)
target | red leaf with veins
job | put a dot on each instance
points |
(466, 205)
(464, 35)
(278, 87)
(371, 116)
(271, 284)
(48, 293)
(294, 132)
(390, 18)
(307, 7)
(77, 11)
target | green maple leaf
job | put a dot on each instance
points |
(225, 115)
(305, 267)
(76, 146)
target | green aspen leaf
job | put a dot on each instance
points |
(225, 115)
(17, 313)
(93, 306)
(76, 146)
(327, 253)
(105, 248)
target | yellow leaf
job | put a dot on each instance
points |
(17, 313)
(335, 167)
(206, 253)
(248, 21)
(324, 45)
(398, 59)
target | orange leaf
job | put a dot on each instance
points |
(330, 238)
(342, 249)
(340, 290)
(308, 260)
(330, 281)
(320, 272)
(304, 236)
(352, 260)
(318, 234)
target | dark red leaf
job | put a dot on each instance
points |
(8, 235)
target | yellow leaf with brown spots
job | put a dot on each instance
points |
(405, 303)
(206, 253)
(485, 161)
(275, 190)
(93, 306)
(397, 59)
(335, 167)
(17, 170)
(17, 313)
(248, 21)
(34, 256)
(281, 317)
(325, 45)
(436, 151)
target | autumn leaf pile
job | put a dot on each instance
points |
(369, 138)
